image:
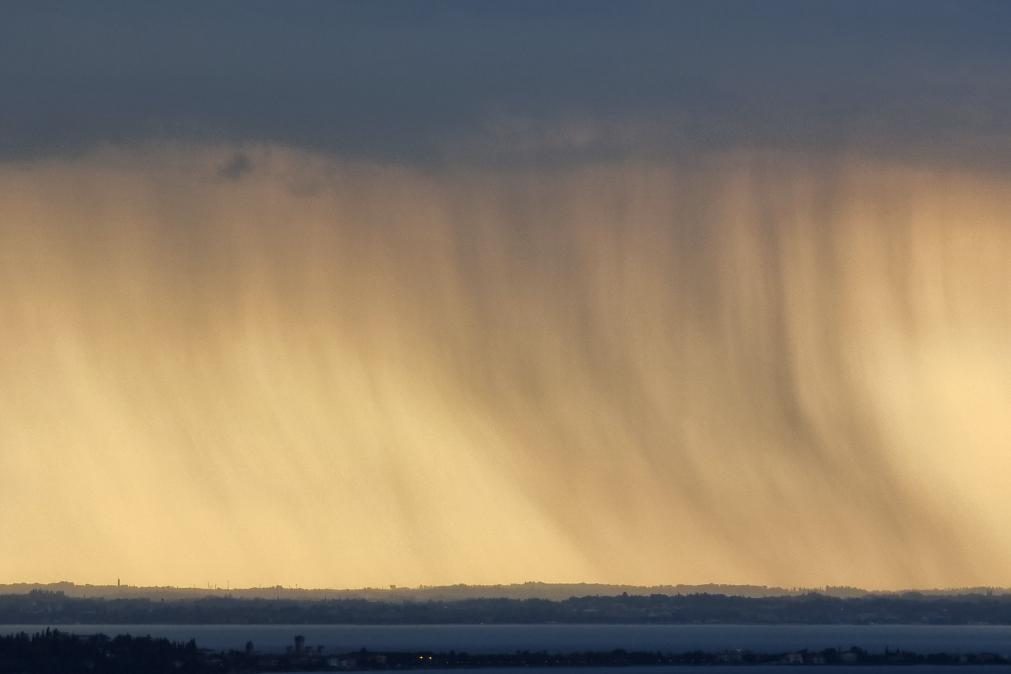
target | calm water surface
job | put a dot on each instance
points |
(723, 669)
(560, 638)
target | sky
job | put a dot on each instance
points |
(347, 294)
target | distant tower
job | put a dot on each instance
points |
(299, 644)
(117, 583)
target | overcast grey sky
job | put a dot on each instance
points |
(428, 82)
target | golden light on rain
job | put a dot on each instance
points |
(756, 369)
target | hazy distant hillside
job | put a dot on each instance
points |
(532, 590)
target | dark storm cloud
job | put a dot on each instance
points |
(424, 81)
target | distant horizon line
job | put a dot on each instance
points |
(393, 588)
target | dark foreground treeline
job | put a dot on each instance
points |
(51, 608)
(54, 652)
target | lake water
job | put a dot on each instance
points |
(731, 669)
(561, 638)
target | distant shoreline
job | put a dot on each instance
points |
(528, 590)
(45, 607)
